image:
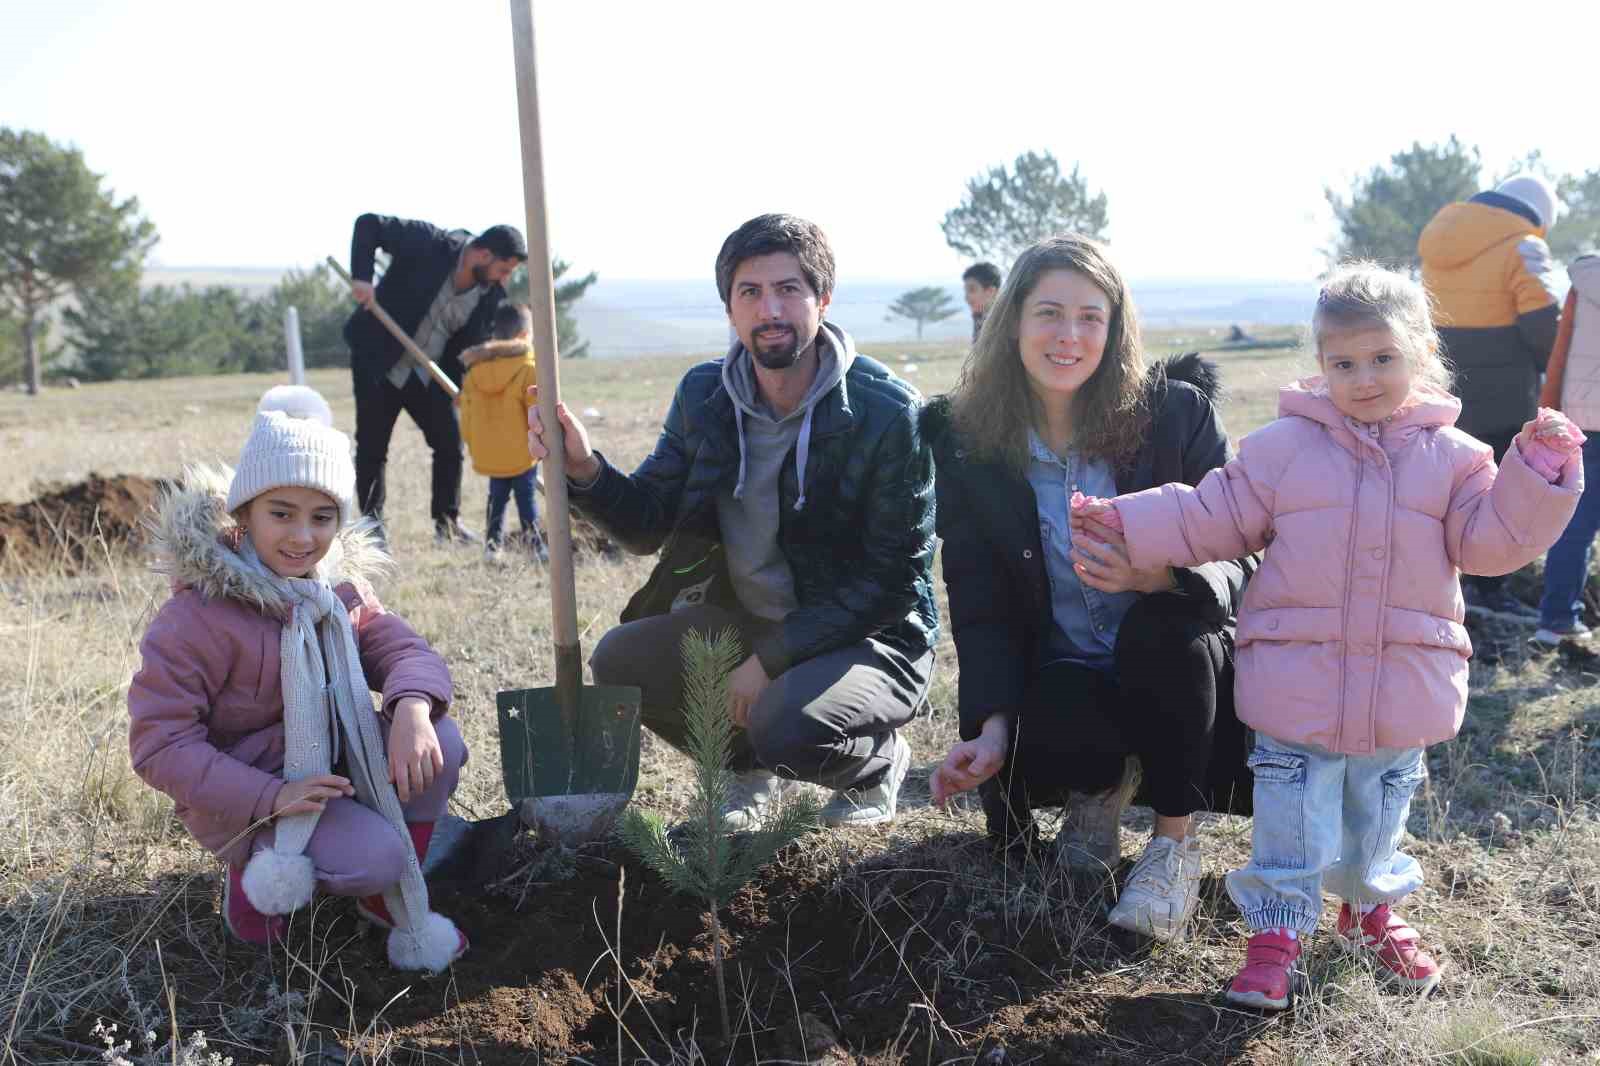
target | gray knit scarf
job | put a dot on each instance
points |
(327, 709)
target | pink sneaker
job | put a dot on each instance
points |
(1265, 980)
(1395, 948)
(242, 919)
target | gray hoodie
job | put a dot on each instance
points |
(748, 515)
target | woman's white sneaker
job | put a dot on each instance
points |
(1162, 890)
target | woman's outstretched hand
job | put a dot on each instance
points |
(971, 762)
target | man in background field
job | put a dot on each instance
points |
(791, 496)
(980, 284)
(1494, 287)
(441, 287)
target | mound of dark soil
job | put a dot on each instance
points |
(896, 961)
(72, 525)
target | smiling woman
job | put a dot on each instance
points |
(1077, 669)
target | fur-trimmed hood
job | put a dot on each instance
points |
(193, 541)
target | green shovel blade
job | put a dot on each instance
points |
(541, 756)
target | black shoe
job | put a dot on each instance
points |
(451, 531)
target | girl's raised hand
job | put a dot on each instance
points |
(310, 795)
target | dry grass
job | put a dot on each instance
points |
(105, 905)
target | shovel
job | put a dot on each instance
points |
(569, 754)
(417, 355)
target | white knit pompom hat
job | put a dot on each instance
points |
(297, 400)
(295, 449)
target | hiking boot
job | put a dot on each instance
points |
(1393, 946)
(1266, 980)
(1089, 837)
(1552, 635)
(241, 917)
(451, 531)
(1162, 890)
(875, 805)
(750, 797)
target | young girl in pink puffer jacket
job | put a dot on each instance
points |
(1351, 654)
(253, 708)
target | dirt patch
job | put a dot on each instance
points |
(897, 959)
(73, 525)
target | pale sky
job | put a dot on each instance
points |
(254, 134)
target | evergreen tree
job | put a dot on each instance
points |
(568, 293)
(928, 304)
(1005, 211)
(1387, 209)
(707, 861)
(59, 229)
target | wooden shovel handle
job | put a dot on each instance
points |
(401, 335)
(542, 302)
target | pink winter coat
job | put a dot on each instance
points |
(207, 703)
(1350, 636)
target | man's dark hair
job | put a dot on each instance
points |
(502, 242)
(985, 274)
(511, 319)
(766, 234)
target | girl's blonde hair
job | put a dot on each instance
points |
(993, 405)
(1362, 294)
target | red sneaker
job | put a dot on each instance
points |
(1395, 948)
(242, 919)
(1264, 982)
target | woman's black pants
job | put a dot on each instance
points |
(1167, 700)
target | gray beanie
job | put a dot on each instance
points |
(305, 452)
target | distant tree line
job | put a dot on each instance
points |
(1385, 209)
(72, 302)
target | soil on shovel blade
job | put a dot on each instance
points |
(889, 960)
(74, 525)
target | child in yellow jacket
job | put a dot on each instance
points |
(494, 423)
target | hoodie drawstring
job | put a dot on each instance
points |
(738, 429)
(802, 450)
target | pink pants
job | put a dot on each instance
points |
(354, 850)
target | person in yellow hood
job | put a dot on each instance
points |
(1496, 305)
(494, 418)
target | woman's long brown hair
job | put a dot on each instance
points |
(994, 406)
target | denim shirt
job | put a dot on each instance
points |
(1086, 619)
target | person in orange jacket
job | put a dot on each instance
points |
(495, 397)
(1495, 292)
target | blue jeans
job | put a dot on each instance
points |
(1322, 818)
(500, 490)
(1566, 567)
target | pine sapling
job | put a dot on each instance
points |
(705, 859)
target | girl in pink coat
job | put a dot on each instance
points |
(253, 706)
(1351, 655)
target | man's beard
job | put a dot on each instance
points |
(480, 274)
(780, 358)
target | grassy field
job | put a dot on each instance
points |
(107, 910)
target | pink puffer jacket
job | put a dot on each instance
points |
(206, 706)
(1350, 636)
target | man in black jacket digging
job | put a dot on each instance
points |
(791, 496)
(441, 287)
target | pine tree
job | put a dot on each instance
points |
(707, 860)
